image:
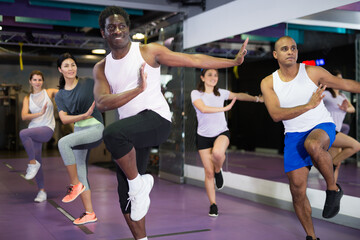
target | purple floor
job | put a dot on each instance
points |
(176, 212)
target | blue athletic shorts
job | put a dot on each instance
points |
(295, 154)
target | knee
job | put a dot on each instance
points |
(298, 191)
(108, 136)
(312, 146)
(23, 134)
(218, 155)
(356, 147)
(62, 143)
(209, 173)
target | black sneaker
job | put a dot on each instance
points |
(310, 238)
(332, 203)
(213, 210)
(219, 180)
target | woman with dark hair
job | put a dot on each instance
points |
(75, 102)
(38, 108)
(213, 136)
(344, 146)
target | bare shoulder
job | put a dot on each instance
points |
(150, 53)
(149, 47)
(316, 73)
(267, 81)
(51, 92)
(100, 64)
(26, 98)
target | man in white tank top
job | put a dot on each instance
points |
(293, 94)
(145, 118)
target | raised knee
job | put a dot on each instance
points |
(108, 135)
(357, 148)
(62, 143)
(22, 134)
(217, 155)
(312, 146)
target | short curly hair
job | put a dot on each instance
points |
(112, 10)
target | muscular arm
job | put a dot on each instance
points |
(199, 104)
(320, 76)
(156, 54)
(103, 97)
(278, 113)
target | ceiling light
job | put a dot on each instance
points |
(0, 28)
(98, 51)
(138, 36)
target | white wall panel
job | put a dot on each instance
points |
(242, 16)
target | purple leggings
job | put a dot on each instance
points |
(32, 139)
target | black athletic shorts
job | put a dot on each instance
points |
(208, 142)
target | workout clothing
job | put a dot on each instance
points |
(36, 103)
(141, 132)
(32, 140)
(78, 100)
(123, 75)
(208, 142)
(39, 131)
(332, 105)
(145, 121)
(295, 154)
(298, 92)
(210, 124)
(75, 147)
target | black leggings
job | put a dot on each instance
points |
(142, 131)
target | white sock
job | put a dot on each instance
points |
(145, 238)
(135, 184)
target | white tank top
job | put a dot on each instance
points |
(36, 102)
(122, 75)
(298, 92)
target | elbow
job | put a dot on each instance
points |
(101, 107)
(100, 104)
(275, 118)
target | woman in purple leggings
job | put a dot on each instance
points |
(39, 110)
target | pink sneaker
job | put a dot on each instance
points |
(85, 218)
(73, 192)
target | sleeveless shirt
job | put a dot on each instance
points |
(123, 74)
(36, 102)
(332, 105)
(298, 92)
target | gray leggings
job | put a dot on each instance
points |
(75, 147)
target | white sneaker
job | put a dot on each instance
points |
(32, 170)
(140, 202)
(41, 196)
